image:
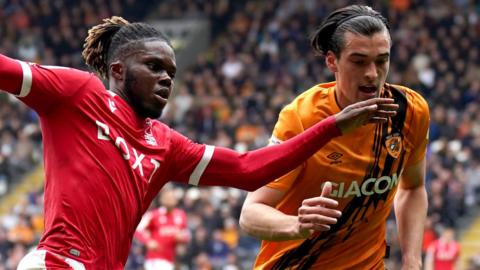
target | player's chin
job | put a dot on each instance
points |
(153, 111)
(157, 113)
(156, 108)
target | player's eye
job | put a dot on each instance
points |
(381, 61)
(154, 66)
(358, 62)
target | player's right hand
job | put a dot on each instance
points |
(318, 213)
(375, 110)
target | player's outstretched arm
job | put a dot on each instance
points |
(42, 88)
(11, 76)
(255, 169)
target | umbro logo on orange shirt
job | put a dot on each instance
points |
(334, 157)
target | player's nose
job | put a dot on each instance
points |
(165, 80)
(371, 72)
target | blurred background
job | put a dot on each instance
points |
(240, 63)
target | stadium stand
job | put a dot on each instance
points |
(258, 60)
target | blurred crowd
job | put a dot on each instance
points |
(20, 141)
(259, 60)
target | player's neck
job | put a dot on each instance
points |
(339, 99)
(121, 94)
(169, 209)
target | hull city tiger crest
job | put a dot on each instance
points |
(393, 143)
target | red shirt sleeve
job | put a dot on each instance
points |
(217, 166)
(42, 88)
(185, 156)
(11, 75)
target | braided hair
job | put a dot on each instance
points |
(358, 19)
(115, 37)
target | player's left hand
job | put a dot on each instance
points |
(318, 213)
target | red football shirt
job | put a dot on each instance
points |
(103, 164)
(445, 254)
(163, 227)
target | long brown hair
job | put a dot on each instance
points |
(358, 19)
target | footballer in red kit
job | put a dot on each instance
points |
(106, 157)
(161, 230)
(443, 253)
(108, 164)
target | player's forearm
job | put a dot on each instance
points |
(255, 169)
(11, 75)
(267, 223)
(411, 210)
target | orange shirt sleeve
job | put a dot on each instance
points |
(419, 127)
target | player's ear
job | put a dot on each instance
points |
(331, 61)
(116, 70)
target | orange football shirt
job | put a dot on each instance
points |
(364, 168)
